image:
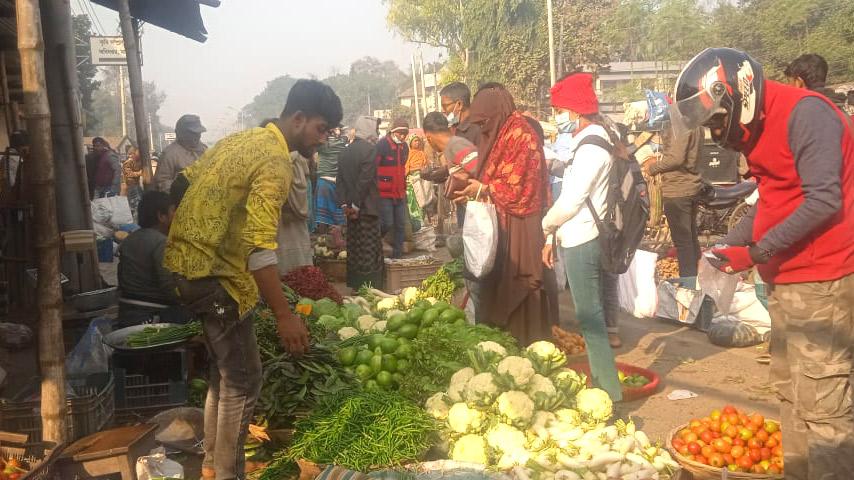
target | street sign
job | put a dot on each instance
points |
(169, 137)
(108, 51)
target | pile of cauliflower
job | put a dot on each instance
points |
(530, 414)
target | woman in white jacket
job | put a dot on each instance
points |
(570, 223)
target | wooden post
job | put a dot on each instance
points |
(48, 290)
(4, 85)
(137, 95)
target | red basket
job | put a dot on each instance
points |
(629, 393)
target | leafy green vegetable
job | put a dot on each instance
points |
(325, 306)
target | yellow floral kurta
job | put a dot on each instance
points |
(232, 208)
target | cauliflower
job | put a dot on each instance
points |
(386, 304)
(594, 404)
(516, 408)
(569, 382)
(514, 458)
(463, 419)
(568, 416)
(470, 448)
(541, 422)
(515, 370)
(379, 326)
(485, 355)
(492, 347)
(546, 357)
(342, 255)
(347, 332)
(365, 322)
(458, 383)
(480, 390)
(543, 392)
(408, 296)
(437, 406)
(504, 438)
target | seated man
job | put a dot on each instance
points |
(147, 289)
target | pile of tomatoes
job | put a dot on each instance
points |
(733, 440)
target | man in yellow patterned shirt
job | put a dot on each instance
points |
(222, 249)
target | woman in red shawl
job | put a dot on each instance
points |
(519, 295)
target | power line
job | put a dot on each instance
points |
(94, 16)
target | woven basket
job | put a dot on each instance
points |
(707, 472)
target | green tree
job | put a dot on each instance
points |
(106, 107)
(86, 72)
(270, 102)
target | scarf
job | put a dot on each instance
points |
(490, 109)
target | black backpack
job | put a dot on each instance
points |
(624, 224)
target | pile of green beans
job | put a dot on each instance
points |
(151, 336)
(365, 431)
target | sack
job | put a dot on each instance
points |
(156, 466)
(91, 355)
(622, 227)
(112, 211)
(733, 333)
(636, 288)
(718, 285)
(480, 238)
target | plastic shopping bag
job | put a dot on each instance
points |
(718, 285)
(636, 288)
(112, 211)
(157, 466)
(480, 237)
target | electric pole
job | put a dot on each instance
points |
(551, 42)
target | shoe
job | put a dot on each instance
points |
(614, 340)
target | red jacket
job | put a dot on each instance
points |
(391, 168)
(828, 252)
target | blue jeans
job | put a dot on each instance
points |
(393, 217)
(587, 282)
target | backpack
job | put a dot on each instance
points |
(627, 209)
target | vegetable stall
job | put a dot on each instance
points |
(401, 383)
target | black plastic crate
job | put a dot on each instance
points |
(148, 383)
(90, 405)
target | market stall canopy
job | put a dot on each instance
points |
(179, 16)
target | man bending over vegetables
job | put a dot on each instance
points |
(222, 249)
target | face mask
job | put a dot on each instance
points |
(453, 119)
(396, 140)
(565, 124)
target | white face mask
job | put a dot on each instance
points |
(453, 118)
(562, 118)
(396, 140)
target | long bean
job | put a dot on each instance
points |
(150, 336)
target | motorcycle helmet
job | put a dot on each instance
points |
(722, 89)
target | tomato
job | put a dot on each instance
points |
(744, 419)
(690, 437)
(729, 409)
(757, 468)
(753, 427)
(728, 458)
(744, 462)
(699, 430)
(701, 443)
(706, 420)
(716, 460)
(765, 464)
(762, 435)
(677, 442)
(707, 436)
(757, 418)
(683, 450)
(715, 426)
(707, 451)
(731, 431)
(766, 454)
(738, 441)
(684, 432)
(778, 435)
(771, 442)
(722, 446)
(732, 467)
(771, 427)
(755, 455)
(737, 451)
(777, 461)
(754, 443)
(694, 448)
(716, 434)
(775, 469)
(715, 415)
(701, 459)
(777, 451)
(745, 434)
(727, 440)
(694, 424)
(733, 419)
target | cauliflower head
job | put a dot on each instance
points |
(569, 381)
(347, 332)
(386, 304)
(470, 448)
(542, 391)
(458, 383)
(513, 459)
(594, 404)
(516, 408)
(504, 438)
(379, 326)
(546, 357)
(463, 419)
(437, 406)
(409, 296)
(517, 370)
(480, 390)
(540, 423)
(568, 416)
(492, 347)
(365, 322)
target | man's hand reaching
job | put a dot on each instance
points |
(292, 334)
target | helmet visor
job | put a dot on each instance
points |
(704, 109)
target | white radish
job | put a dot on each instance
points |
(588, 475)
(570, 462)
(602, 460)
(613, 470)
(567, 475)
(635, 458)
(521, 473)
(642, 439)
(610, 433)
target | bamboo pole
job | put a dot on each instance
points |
(136, 89)
(48, 291)
(4, 87)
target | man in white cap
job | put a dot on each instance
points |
(183, 152)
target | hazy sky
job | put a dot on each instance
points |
(253, 41)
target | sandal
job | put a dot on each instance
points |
(614, 340)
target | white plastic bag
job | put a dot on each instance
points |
(678, 303)
(112, 211)
(636, 288)
(425, 239)
(718, 285)
(158, 466)
(480, 237)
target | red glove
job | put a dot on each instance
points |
(737, 259)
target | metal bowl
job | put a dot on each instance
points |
(95, 300)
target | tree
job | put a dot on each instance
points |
(107, 109)
(580, 39)
(270, 102)
(86, 72)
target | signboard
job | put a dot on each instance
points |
(108, 51)
(169, 137)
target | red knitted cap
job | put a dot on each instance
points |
(576, 93)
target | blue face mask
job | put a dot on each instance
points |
(564, 124)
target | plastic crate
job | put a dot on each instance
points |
(37, 457)
(90, 405)
(148, 383)
(401, 276)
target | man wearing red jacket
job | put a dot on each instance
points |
(391, 155)
(800, 235)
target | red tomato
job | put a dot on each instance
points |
(777, 451)
(690, 437)
(753, 427)
(694, 448)
(706, 420)
(715, 426)
(756, 468)
(727, 440)
(754, 443)
(744, 463)
(707, 451)
(766, 454)
(733, 419)
(738, 441)
(716, 435)
(777, 461)
(715, 415)
(771, 442)
(737, 451)
(771, 426)
(701, 443)
(728, 458)
(762, 435)
(775, 469)
(677, 442)
(729, 409)
(757, 418)
(707, 436)
(717, 460)
(756, 455)
(694, 424)
(778, 435)
(684, 432)
(744, 419)
(699, 430)
(722, 446)
(683, 450)
(701, 459)
(731, 431)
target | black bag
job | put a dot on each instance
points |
(624, 224)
